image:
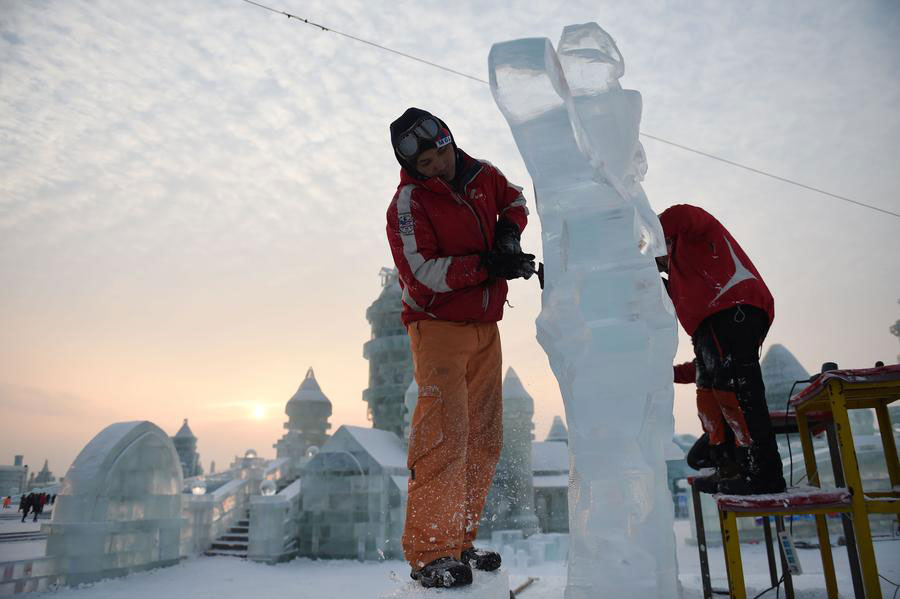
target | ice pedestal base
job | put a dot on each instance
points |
(485, 585)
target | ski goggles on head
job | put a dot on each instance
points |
(426, 130)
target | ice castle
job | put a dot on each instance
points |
(389, 356)
(186, 446)
(308, 412)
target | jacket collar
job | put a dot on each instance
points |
(467, 168)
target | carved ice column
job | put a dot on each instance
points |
(606, 324)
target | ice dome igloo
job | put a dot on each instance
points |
(119, 509)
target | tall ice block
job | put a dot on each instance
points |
(485, 585)
(606, 322)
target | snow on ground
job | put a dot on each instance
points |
(16, 525)
(10, 551)
(224, 578)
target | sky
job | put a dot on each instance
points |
(193, 195)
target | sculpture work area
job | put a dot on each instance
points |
(606, 322)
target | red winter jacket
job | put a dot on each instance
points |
(708, 270)
(436, 235)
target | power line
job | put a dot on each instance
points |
(765, 174)
(359, 39)
(647, 135)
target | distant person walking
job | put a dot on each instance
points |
(37, 505)
(7, 501)
(24, 505)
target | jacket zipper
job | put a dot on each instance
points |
(486, 294)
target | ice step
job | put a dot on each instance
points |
(227, 552)
(485, 585)
(33, 535)
(238, 538)
(230, 545)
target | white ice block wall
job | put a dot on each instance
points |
(274, 525)
(211, 515)
(606, 323)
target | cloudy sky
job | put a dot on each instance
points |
(192, 195)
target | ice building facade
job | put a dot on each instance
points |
(13, 478)
(606, 322)
(42, 478)
(389, 356)
(354, 496)
(550, 479)
(308, 412)
(186, 446)
(510, 500)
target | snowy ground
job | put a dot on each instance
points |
(11, 551)
(224, 578)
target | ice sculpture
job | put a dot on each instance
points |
(120, 507)
(606, 323)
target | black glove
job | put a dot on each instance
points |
(508, 266)
(506, 237)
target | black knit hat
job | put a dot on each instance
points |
(401, 125)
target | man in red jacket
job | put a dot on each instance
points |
(723, 303)
(454, 227)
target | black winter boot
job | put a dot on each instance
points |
(758, 475)
(723, 458)
(444, 572)
(481, 559)
(698, 456)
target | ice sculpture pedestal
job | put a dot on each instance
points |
(485, 585)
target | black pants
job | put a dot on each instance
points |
(726, 346)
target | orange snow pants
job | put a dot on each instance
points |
(717, 409)
(455, 435)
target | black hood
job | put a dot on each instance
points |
(404, 122)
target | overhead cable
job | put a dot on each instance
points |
(647, 135)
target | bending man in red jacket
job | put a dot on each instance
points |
(454, 227)
(723, 303)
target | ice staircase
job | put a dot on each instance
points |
(235, 542)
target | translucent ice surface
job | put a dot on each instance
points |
(120, 506)
(606, 323)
